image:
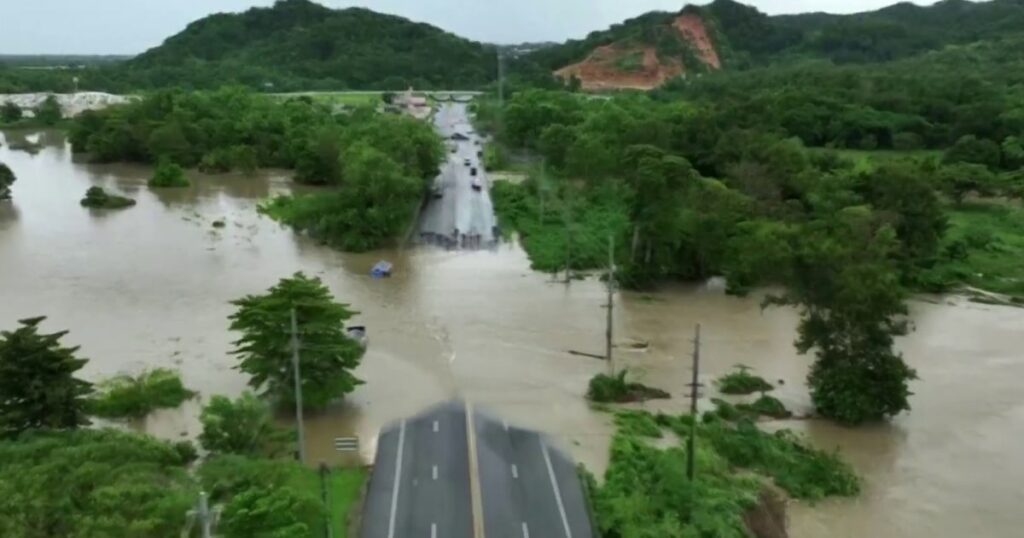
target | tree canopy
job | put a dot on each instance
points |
(327, 356)
(38, 387)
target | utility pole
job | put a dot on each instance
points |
(611, 304)
(691, 443)
(298, 387)
(501, 80)
(202, 515)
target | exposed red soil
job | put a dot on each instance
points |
(693, 30)
(602, 70)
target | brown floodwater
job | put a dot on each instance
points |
(149, 286)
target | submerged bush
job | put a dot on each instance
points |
(742, 381)
(168, 174)
(6, 180)
(125, 396)
(97, 198)
(605, 388)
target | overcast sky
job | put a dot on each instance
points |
(132, 26)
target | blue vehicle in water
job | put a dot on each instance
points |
(381, 269)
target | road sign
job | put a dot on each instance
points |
(346, 444)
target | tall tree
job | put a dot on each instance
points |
(38, 387)
(327, 355)
(847, 286)
(10, 112)
(48, 112)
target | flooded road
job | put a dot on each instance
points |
(149, 286)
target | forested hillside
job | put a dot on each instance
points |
(299, 44)
(743, 37)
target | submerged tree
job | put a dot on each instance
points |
(846, 282)
(10, 112)
(48, 112)
(6, 180)
(327, 355)
(38, 387)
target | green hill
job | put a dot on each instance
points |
(297, 44)
(744, 37)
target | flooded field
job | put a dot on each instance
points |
(149, 286)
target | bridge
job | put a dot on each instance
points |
(456, 472)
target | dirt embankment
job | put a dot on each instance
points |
(604, 69)
(621, 66)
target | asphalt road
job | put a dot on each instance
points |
(460, 208)
(420, 485)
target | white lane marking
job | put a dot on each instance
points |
(398, 480)
(554, 486)
(526, 531)
(436, 426)
(435, 472)
(433, 530)
(515, 471)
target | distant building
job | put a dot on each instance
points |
(414, 105)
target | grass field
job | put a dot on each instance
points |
(341, 98)
(344, 487)
(992, 234)
(866, 160)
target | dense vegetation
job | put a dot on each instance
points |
(741, 381)
(646, 491)
(91, 483)
(737, 174)
(378, 165)
(126, 396)
(295, 45)
(264, 349)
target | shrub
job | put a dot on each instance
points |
(97, 198)
(6, 180)
(766, 406)
(742, 381)
(48, 112)
(241, 426)
(125, 396)
(604, 388)
(168, 174)
(10, 112)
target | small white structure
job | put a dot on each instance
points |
(71, 104)
(416, 106)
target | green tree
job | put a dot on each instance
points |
(327, 355)
(48, 112)
(6, 180)
(848, 291)
(960, 179)
(38, 387)
(168, 174)
(1013, 153)
(93, 483)
(242, 426)
(270, 513)
(971, 149)
(10, 112)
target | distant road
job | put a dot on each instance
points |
(421, 485)
(460, 208)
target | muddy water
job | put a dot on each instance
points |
(150, 286)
